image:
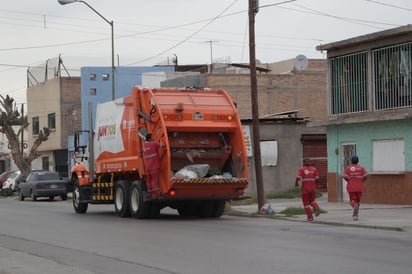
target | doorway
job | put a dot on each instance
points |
(348, 150)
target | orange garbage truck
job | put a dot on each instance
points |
(199, 147)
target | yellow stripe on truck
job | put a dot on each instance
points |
(210, 181)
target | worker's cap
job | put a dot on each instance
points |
(355, 159)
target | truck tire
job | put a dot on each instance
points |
(138, 207)
(187, 209)
(212, 208)
(219, 208)
(79, 206)
(206, 209)
(121, 199)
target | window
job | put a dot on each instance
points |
(388, 155)
(349, 83)
(35, 125)
(93, 91)
(51, 120)
(269, 153)
(393, 76)
(92, 77)
(105, 77)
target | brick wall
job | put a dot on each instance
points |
(304, 91)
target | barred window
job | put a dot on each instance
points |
(349, 83)
(393, 76)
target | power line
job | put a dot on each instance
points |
(389, 5)
(347, 19)
(184, 40)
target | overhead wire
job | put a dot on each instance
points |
(388, 5)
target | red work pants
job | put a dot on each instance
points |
(355, 198)
(152, 180)
(308, 200)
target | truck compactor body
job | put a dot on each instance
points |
(202, 154)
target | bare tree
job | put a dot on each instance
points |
(9, 116)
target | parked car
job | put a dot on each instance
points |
(43, 184)
(12, 183)
(4, 176)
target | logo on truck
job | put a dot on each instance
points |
(106, 131)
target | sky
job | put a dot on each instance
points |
(147, 33)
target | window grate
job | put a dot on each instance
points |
(393, 76)
(349, 83)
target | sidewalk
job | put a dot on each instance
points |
(388, 217)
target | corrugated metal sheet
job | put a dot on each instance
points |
(315, 148)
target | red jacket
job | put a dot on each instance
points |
(151, 156)
(309, 175)
(355, 175)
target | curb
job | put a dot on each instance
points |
(331, 223)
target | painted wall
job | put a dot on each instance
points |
(363, 135)
(126, 78)
(380, 188)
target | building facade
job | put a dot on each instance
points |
(292, 111)
(54, 104)
(292, 105)
(370, 114)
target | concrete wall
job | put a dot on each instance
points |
(281, 177)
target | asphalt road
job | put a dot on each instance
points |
(48, 237)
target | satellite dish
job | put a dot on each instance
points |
(301, 62)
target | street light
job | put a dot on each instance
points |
(64, 2)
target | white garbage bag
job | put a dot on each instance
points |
(185, 174)
(200, 169)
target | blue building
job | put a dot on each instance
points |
(96, 87)
(96, 84)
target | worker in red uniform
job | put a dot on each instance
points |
(309, 176)
(152, 164)
(355, 175)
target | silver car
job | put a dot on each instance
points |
(43, 184)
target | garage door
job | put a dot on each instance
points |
(315, 148)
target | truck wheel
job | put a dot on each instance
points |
(79, 207)
(51, 198)
(206, 209)
(187, 209)
(64, 197)
(121, 199)
(219, 208)
(138, 207)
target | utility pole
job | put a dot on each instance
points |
(22, 130)
(211, 53)
(253, 9)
